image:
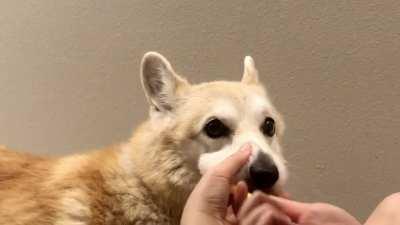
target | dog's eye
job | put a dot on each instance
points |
(268, 127)
(216, 129)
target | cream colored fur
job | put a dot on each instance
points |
(147, 179)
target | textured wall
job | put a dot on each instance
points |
(69, 78)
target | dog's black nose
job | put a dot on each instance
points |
(263, 172)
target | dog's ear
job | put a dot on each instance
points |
(160, 82)
(250, 73)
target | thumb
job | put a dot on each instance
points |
(291, 208)
(211, 194)
(230, 166)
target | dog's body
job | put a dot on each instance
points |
(102, 187)
(147, 179)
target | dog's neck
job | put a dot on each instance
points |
(152, 157)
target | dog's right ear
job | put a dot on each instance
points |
(250, 73)
(160, 82)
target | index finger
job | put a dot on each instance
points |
(291, 208)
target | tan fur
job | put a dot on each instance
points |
(93, 188)
(143, 181)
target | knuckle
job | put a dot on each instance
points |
(267, 218)
(216, 174)
(320, 206)
(317, 208)
(258, 196)
(215, 170)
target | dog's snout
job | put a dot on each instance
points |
(263, 172)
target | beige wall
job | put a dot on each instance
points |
(69, 78)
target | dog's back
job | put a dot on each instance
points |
(21, 189)
(15, 166)
(77, 189)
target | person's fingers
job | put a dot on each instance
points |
(265, 214)
(225, 170)
(212, 193)
(254, 215)
(280, 192)
(284, 194)
(231, 165)
(291, 208)
(256, 199)
(274, 219)
(240, 195)
(230, 216)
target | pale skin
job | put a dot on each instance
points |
(217, 201)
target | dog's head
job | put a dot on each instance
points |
(210, 121)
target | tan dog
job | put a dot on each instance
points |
(147, 179)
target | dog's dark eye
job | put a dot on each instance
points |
(216, 129)
(268, 127)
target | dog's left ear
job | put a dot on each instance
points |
(161, 84)
(250, 73)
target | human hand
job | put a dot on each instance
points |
(261, 209)
(209, 201)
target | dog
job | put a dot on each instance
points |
(147, 179)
